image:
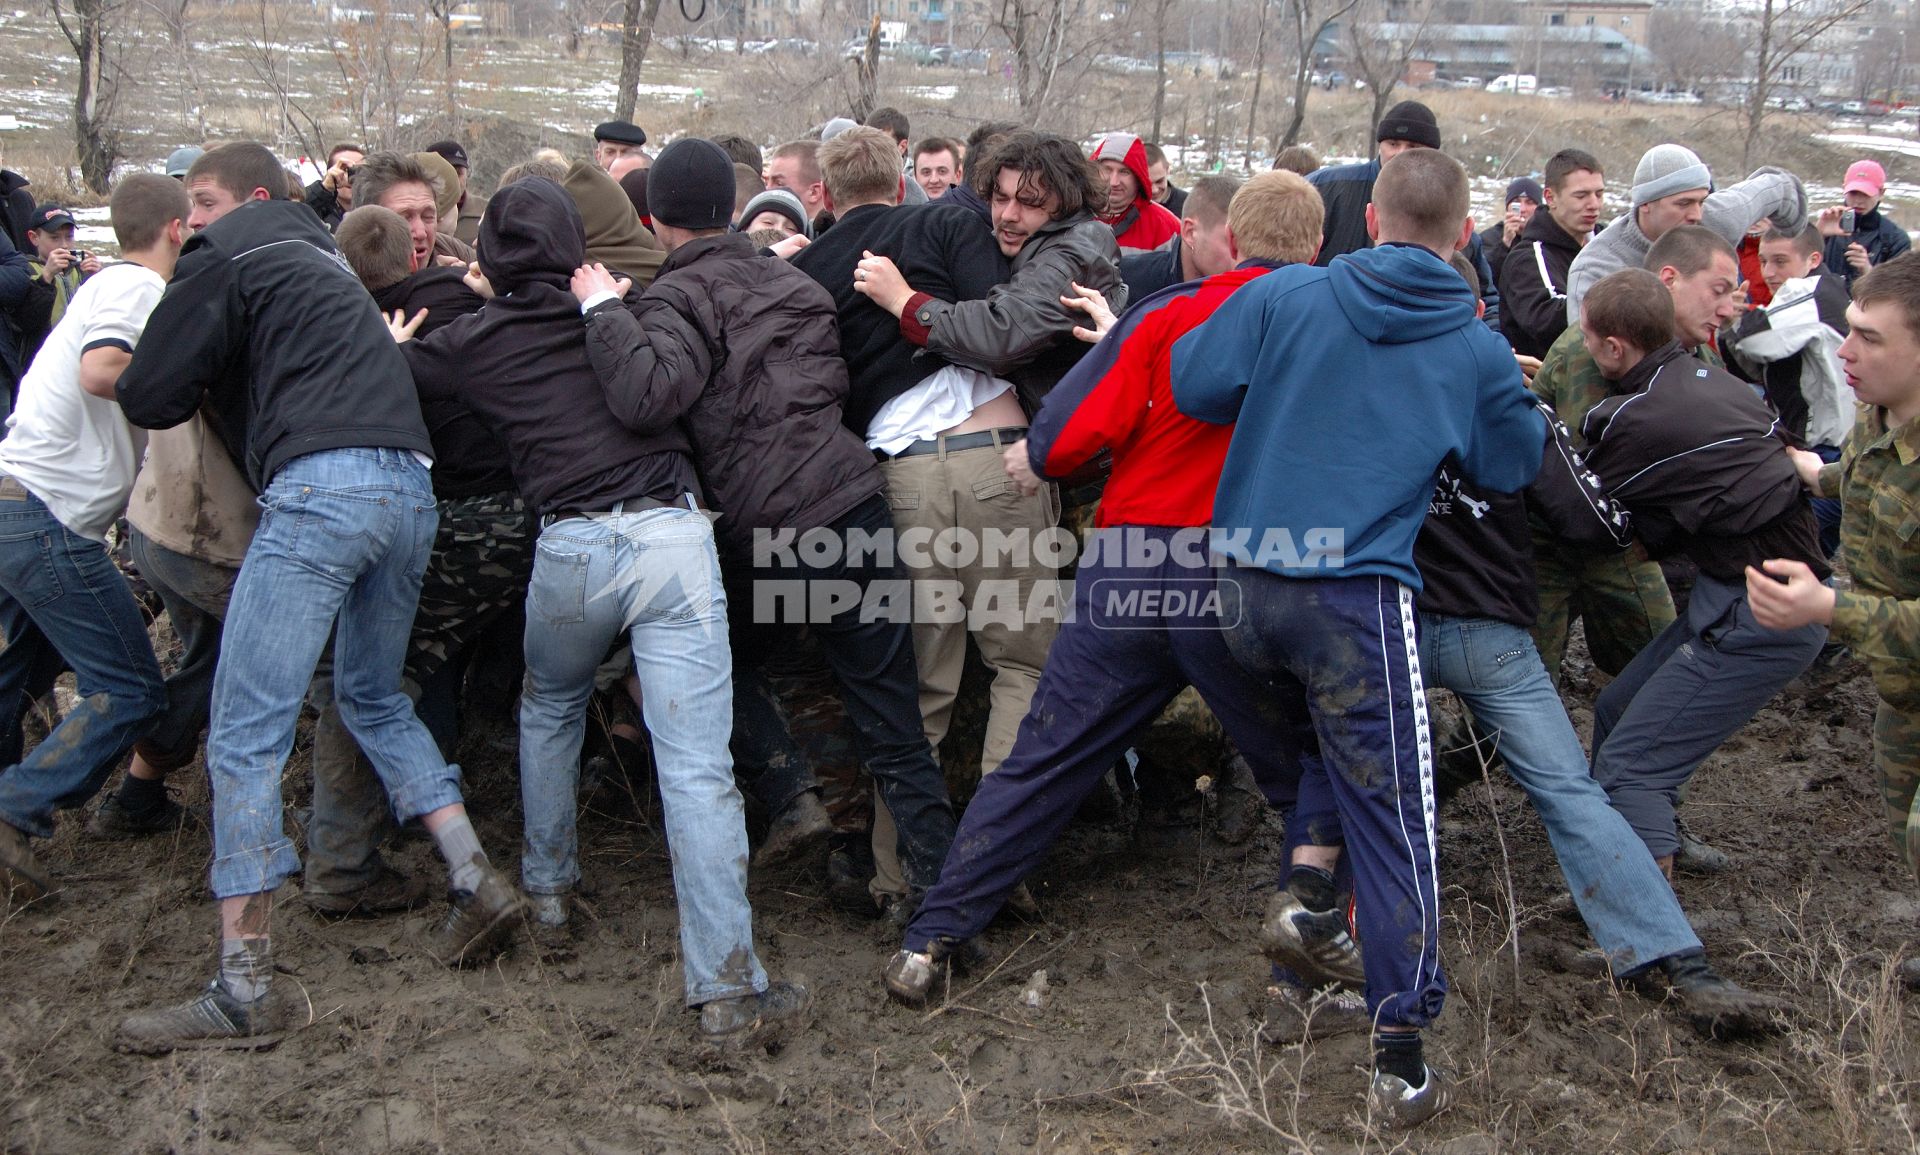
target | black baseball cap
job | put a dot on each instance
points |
(49, 217)
(451, 152)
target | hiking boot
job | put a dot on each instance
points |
(389, 893)
(1398, 1106)
(22, 878)
(215, 1021)
(1695, 856)
(910, 974)
(796, 835)
(478, 922)
(897, 910)
(1296, 1014)
(1020, 901)
(758, 1021)
(113, 822)
(1314, 945)
(1720, 1008)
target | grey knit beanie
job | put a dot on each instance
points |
(1667, 169)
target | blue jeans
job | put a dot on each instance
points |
(67, 586)
(345, 535)
(654, 577)
(1493, 668)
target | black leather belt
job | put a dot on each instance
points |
(956, 441)
(630, 505)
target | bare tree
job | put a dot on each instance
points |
(1160, 66)
(268, 55)
(172, 15)
(1783, 31)
(1380, 50)
(442, 13)
(92, 29)
(1310, 20)
(382, 58)
(1259, 75)
(866, 73)
(636, 37)
(1038, 31)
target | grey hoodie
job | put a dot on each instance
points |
(1769, 194)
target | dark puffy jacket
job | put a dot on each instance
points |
(759, 342)
(1695, 454)
(16, 208)
(16, 292)
(1149, 272)
(265, 321)
(1533, 285)
(325, 204)
(521, 363)
(1021, 331)
(1876, 232)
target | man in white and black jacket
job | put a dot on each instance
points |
(1533, 272)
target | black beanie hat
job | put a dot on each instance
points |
(690, 185)
(1410, 121)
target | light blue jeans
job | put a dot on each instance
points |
(345, 534)
(654, 577)
(1492, 666)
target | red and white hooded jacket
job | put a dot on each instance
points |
(1143, 224)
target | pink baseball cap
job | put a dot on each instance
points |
(1866, 176)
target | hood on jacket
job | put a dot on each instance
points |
(1544, 228)
(531, 235)
(1397, 293)
(1128, 150)
(446, 202)
(615, 236)
(11, 181)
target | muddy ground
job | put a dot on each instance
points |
(1148, 1039)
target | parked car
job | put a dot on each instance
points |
(1518, 83)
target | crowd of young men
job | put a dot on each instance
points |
(660, 434)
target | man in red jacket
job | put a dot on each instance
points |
(1137, 221)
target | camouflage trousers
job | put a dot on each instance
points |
(482, 561)
(1622, 598)
(1896, 755)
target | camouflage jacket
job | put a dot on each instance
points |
(1569, 381)
(1878, 482)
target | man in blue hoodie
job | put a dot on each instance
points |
(1351, 385)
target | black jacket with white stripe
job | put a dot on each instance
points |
(1533, 285)
(1696, 456)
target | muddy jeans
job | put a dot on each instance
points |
(345, 536)
(60, 589)
(967, 495)
(654, 577)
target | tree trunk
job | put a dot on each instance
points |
(867, 66)
(636, 36)
(96, 140)
(1160, 68)
(1259, 75)
(1763, 65)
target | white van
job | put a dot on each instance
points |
(1522, 83)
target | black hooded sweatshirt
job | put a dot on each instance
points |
(265, 323)
(521, 364)
(1696, 456)
(468, 459)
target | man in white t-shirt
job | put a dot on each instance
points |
(66, 467)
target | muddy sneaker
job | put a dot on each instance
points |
(1315, 946)
(478, 922)
(796, 835)
(389, 893)
(1720, 1008)
(1908, 975)
(1399, 1106)
(212, 1021)
(909, 976)
(22, 878)
(1695, 856)
(1296, 1014)
(760, 1020)
(550, 919)
(113, 822)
